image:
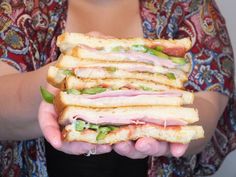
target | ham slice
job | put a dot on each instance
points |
(161, 115)
(123, 98)
(130, 93)
(133, 119)
(142, 57)
(130, 56)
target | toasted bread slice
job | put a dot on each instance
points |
(130, 56)
(67, 61)
(105, 73)
(177, 47)
(126, 115)
(173, 134)
(73, 82)
(124, 98)
(57, 77)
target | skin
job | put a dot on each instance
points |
(22, 90)
(144, 146)
(22, 94)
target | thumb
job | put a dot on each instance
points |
(48, 124)
(177, 149)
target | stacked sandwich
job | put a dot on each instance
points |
(114, 90)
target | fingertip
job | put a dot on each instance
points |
(178, 150)
(147, 145)
(107, 148)
(52, 89)
(123, 148)
(56, 142)
(104, 148)
(142, 146)
(53, 136)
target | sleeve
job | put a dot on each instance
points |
(211, 54)
(14, 45)
(22, 39)
(212, 70)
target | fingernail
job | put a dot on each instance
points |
(106, 150)
(178, 152)
(125, 146)
(144, 147)
(55, 143)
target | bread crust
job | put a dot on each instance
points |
(173, 134)
(144, 117)
(142, 113)
(175, 47)
(68, 61)
(63, 99)
(57, 78)
(73, 82)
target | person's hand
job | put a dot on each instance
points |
(144, 147)
(48, 123)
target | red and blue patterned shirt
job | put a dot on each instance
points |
(28, 32)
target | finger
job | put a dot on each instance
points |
(127, 149)
(101, 149)
(76, 148)
(48, 124)
(177, 149)
(152, 147)
(52, 89)
(79, 148)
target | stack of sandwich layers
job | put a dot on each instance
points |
(115, 90)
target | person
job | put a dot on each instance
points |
(29, 29)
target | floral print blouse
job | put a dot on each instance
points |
(28, 31)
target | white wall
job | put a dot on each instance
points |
(228, 9)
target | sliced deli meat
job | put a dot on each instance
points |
(123, 98)
(161, 115)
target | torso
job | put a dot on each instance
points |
(110, 17)
(42, 21)
(118, 18)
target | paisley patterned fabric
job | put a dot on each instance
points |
(28, 31)
(212, 70)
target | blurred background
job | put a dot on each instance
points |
(228, 9)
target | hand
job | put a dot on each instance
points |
(144, 147)
(48, 123)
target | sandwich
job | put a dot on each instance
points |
(159, 61)
(172, 47)
(114, 90)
